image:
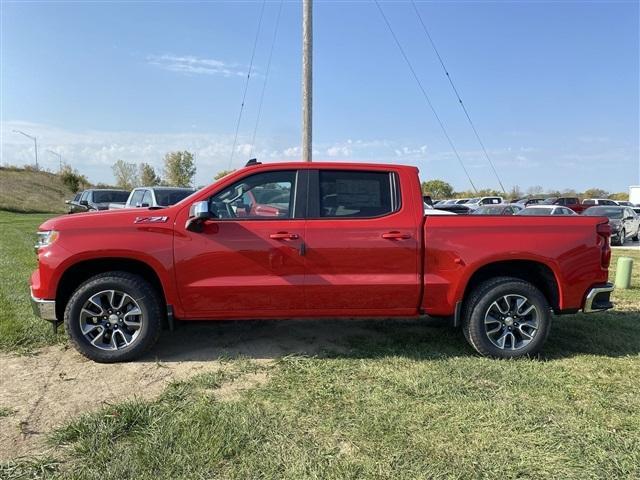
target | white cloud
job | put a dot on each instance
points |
(190, 64)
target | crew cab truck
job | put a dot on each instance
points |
(291, 240)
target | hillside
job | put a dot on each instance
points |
(29, 191)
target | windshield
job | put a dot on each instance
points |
(535, 211)
(110, 196)
(166, 197)
(610, 212)
(489, 210)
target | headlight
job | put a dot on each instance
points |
(46, 238)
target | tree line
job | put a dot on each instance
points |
(439, 189)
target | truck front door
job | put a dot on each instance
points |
(247, 262)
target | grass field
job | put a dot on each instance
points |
(30, 191)
(396, 403)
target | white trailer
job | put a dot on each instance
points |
(634, 194)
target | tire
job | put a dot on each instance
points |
(621, 238)
(495, 323)
(635, 237)
(114, 327)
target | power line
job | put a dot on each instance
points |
(246, 84)
(266, 77)
(424, 93)
(455, 91)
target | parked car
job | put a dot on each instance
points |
(571, 202)
(73, 201)
(598, 201)
(474, 203)
(144, 197)
(537, 210)
(97, 199)
(624, 203)
(429, 210)
(459, 209)
(624, 222)
(349, 240)
(500, 209)
(530, 201)
(637, 210)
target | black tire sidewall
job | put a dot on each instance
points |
(140, 291)
(476, 329)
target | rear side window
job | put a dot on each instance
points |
(357, 194)
(589, 202)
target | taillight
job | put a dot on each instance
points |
(604, 232)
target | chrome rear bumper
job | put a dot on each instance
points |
(598, 299)
(44, 309)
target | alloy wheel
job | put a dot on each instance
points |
(511, 322)
(111, 320)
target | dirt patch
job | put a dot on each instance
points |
(45, 390)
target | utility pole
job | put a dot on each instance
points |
(35, 144)
(307, 78)
(59, 155)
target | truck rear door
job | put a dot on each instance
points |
(362, 241)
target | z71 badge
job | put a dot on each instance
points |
(151, 219)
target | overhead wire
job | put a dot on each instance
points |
(424, 94)
(266, 77)
(246, 84)
(455, 91)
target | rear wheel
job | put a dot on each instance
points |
(113, 317)
(621, 238)
(635, 237)
(506, 318)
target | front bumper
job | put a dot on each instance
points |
(44, 309)
(598, 299)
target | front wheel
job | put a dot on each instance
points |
(506, 317)
(113, 317)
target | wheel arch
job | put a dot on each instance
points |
(535, 272)
(81, 271)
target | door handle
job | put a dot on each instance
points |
(396, 235)
(284, 236)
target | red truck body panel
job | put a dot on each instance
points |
(237, 269)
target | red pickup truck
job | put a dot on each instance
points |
(291, 240)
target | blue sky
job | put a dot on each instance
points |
(552, 87)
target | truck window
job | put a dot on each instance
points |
(136, 198)
(356, 194)
(259, 196)
(85, 196)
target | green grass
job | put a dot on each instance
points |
(19, 328)
(408, 400)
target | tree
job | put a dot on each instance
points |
(222, 173)
(515, 193)
(126, 175)
(596, 193)
(148, 177)
(179, 168)
(535, 190)
(437, 188)
(72, 179)
(619, 196)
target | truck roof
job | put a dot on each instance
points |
(325, 164)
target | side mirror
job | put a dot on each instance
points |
(199, 212)
(628, 218)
